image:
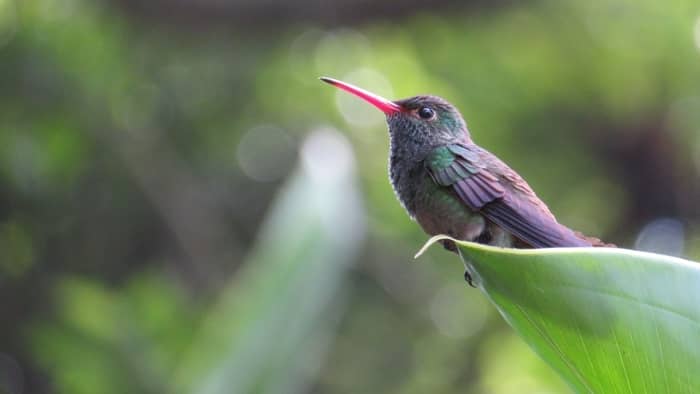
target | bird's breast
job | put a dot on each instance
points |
(416, 190)
(436, 208)
(406, 179)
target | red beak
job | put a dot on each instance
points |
(384, 105)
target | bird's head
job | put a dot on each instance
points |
(423, 119)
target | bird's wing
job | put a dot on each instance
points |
(490, 187)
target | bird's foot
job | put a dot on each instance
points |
(468, 278)
(449, 245)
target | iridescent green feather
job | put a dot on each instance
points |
(446, 169)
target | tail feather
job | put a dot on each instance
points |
(593, 241)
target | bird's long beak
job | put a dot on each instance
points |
(386, 106)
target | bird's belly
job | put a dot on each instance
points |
(439, 211)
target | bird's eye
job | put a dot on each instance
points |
(426, 113)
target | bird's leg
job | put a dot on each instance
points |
(467, 274)
(452, 247)
(485, 237)
(449, 245)
(468, 278)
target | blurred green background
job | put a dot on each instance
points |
(185, 208)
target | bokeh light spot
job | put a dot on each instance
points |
(663, 235)
(340, 51)
(265, 153)
(327, 154)
(59, 10)
(356, 111)
(299, 62)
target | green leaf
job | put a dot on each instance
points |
(608, 320)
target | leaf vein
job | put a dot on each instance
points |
(554, 346)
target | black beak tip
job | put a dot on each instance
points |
(327, 80)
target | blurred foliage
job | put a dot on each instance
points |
(140, 154)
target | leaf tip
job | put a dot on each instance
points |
(430, 243)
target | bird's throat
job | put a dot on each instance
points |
(406, 172)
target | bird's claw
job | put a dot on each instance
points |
(468, 278)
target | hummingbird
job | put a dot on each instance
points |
(450, 185)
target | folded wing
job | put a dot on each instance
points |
(499, 194)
